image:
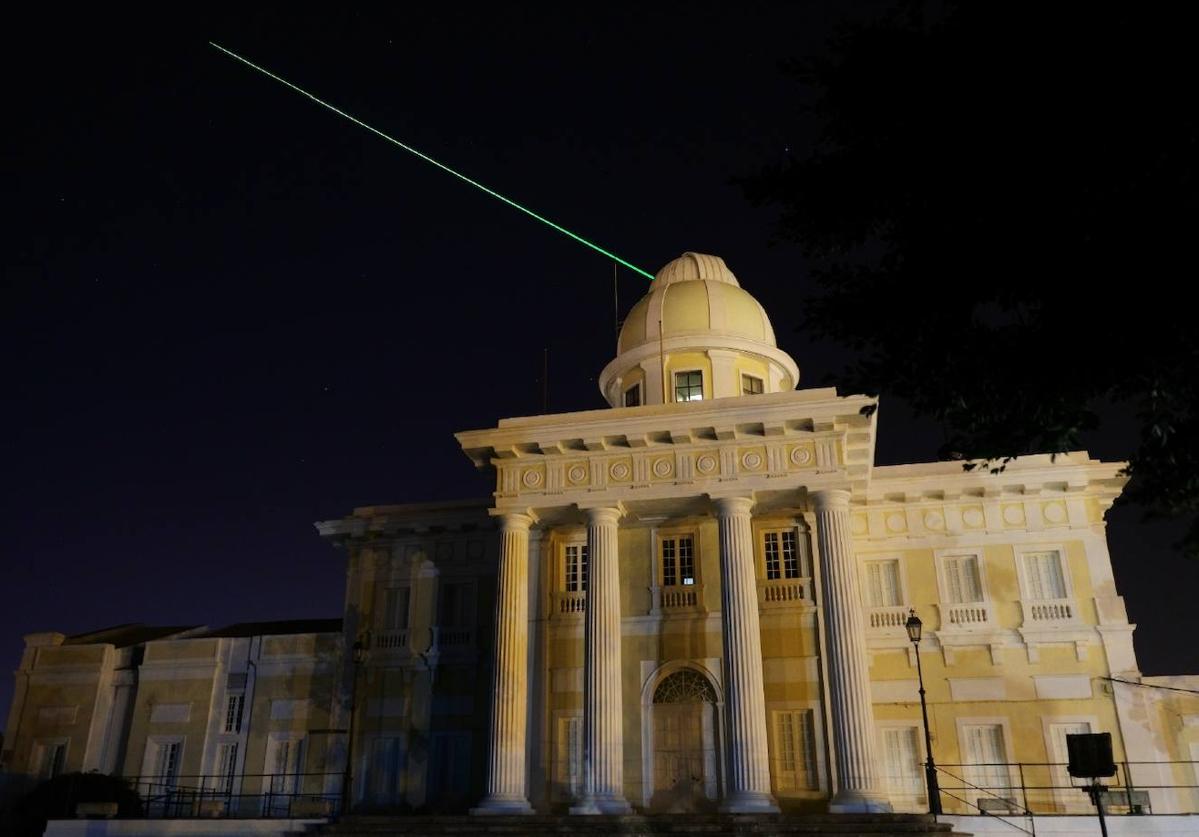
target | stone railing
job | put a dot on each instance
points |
(392, 640)
(453, 637)
(1050, 612)
(890, 619)
(569, 604)
(678, 597)
(785, 592)
(966, 616)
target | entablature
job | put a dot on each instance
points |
(753, 444)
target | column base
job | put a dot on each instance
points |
(856, 802)
(748, 802)
(502, 805)
(603, 804)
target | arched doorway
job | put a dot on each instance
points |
(684, 743)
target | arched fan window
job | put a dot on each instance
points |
(685, 686)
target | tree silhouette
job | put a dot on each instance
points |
(1000, 212)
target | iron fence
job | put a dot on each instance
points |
(242, 795)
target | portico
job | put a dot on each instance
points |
(675, 494)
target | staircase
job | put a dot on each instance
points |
(708, 825)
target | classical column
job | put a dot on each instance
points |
(603, 715)
(858, 785)
(748, 777)
(506, 792)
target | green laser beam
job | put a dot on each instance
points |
(437, 163)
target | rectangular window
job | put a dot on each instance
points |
(678, 561)
(396, 605)
(795, 750)
(751, 385)
(962, 582)
(689, 386)
(882, 584)
(234, 707)
(632, 396)
(383, 776)
(575, 574)
(226, 766)
(901, 761)
(166, 764)
(51, 759)
(1044, 576)
(986, 759)
(782, 559)
(456, 607)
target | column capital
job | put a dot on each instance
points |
(733, 505)
(830, 499)
(514, 520)
(603, 514)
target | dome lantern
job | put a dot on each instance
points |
(712, 338)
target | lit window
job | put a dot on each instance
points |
(678, 561)
(689, 386)
(751, 385)
(782, 559)
(632, 396)
(575, 574)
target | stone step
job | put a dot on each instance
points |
(707, 825)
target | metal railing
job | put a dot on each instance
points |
(1031, 789)
(248, 795)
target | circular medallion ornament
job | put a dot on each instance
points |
(1013, 515)
(801, 456)
(577, 473)
(1055, 512)
(705, 464)
(619, 471)
(662, 468)
(531, 478)
(934, 520)
(752, 461)
(896, 522)
(972, 518)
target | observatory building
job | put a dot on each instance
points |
(692, 599)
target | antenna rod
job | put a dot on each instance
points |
(439, 165)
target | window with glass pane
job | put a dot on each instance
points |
(751, 385)
(795, 750)
(576, 568)
(902, 761)
(882, 584)
(1043, 573)
(678, 561)
(396, 608)
(234, 706)
(226, 762)
(632, 396)
(782, 559)
(689, 386)
(962, 582)
(454, 611)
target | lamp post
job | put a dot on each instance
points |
(914, 627)
(359, 658)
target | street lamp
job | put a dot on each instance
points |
(914, 627)
(359, 658)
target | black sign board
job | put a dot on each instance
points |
(1090, 755)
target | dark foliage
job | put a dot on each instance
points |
(1001, 213)
(56, 799)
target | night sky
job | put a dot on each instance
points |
(228, 313)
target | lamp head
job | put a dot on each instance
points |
(913, 626)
